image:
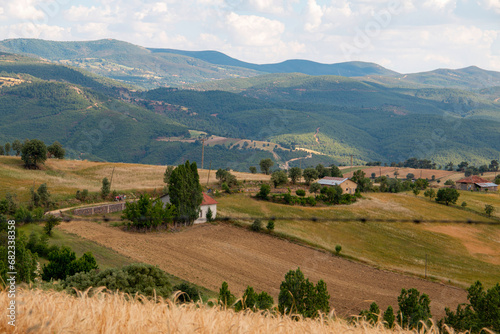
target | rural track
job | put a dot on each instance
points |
(209, 254)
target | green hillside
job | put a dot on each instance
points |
(126, 62)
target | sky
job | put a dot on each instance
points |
(403, 35)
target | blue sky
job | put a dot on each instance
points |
(403, 35)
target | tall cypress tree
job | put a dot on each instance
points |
(185, 192)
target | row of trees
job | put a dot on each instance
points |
(34, 151)
(428, 164)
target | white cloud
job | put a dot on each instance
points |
(268, 6)
(253, 30)
(491, 4)
(25, 10)
(313, 15)
(439, 4)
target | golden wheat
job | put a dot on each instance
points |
(55, 312)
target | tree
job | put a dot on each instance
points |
(335, 171)
(278, 178)
(493, 165)
(295, 173)
(431, 193)
(7, 148)
(2, 151)
(497, 179)
(488, 209)
(185, 191)
(410, 176)
(59, 264)
(315, 187)
(167, 174)
(17, 146)
(51, 222)
(264, 191)
(299, 296)
(265, 165)
(56, 150)
(482, 311)
(256, 225)
(447, 196)
(449, 183)
(322, 171)
(413, 308)
(44, 195)
(338, 249)
(33, 152)
(364, 183)
(416, 191)
(270, 225)
(209, 215)
(389, 317)
(146, 213)
(253, 169)
(225, 176)
(310, 174)
(106, 188)
(462, 166)
(300, 192)
(421, 184)
(226, 298)
(449, 166)
(372, 314)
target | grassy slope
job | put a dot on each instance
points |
(399, 246)
(65, 177)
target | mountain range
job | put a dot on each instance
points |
(111, 100)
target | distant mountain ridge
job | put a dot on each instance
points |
(158, 67)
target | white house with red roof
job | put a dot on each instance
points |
(207, 203)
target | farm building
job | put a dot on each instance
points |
(475, 183)
(348, 186)
(208, 202)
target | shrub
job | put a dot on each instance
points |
(226, 188)
(209, 215)
(143, 279)
(256, 225)
(254, 301)
(464, 204)
(270, 225)
(413, 309)
(265, 189)
(300, 192)
(106, 188)
(226, 298)
(483, 310)
(299, 296)
(488, 209)
(189, 293)
(63, 263)
(372, 314)
(314, 188)
(51, 222)
(389, 317)
(338, 248)
(447, 195)
(449, 183)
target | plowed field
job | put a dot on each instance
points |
(210, 254)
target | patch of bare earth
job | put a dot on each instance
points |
(469, 236)
(210, 254)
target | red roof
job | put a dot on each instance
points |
(207, 200)
(472, 179)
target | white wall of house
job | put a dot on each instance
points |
(203, 213)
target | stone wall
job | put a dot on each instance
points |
(101, 209)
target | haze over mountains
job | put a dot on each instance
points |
(336, 110)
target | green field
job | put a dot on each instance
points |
(456, 253)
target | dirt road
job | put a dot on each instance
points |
(210, 254)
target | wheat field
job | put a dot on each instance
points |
(41, 311)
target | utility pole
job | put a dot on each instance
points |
(111, 182)
(209, 169)
(202, 152)
(351, 160)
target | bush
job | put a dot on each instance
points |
(314, 188)
(270, 225)
(464, 204)
(371, 315)
(209, 216)
(338, 248)
(51, 222)
(143, 279)
(63, 263)
(413, 309)
(447, 195)
(483, 310)
(226, 298)
(299, 296)
(256, 225)
(449, 183)
(488, 209)
(254, 301)
(265, 189)
(300, 192)
(189, 293)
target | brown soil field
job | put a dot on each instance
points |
(207, 255)
(423, 173)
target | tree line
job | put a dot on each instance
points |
(34, 151)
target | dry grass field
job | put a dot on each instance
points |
(52, 312)
(65, 177)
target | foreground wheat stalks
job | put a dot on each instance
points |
(55, 312)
